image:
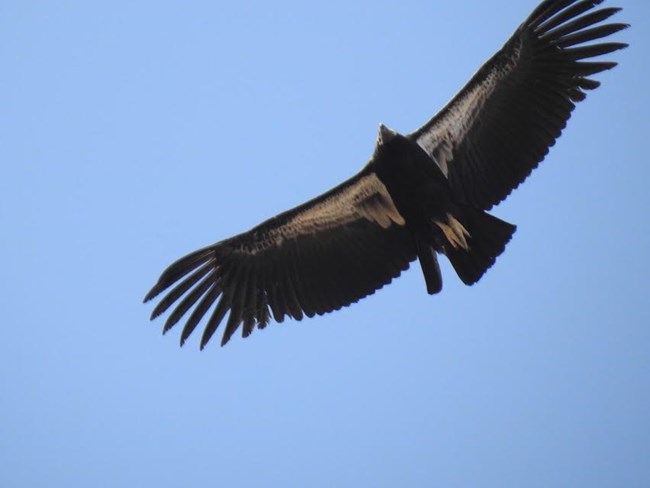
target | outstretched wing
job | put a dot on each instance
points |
(316, 258)
(490, 137)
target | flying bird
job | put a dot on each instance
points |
(419, 195)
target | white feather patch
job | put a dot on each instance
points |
(460, 114)
(367, 198)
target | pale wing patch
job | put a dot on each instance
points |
(380, 208)
(439, 140)
(460, 114)
(367, 198)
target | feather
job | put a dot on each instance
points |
(511, 98)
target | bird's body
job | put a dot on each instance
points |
(420, 195)
(417, 186)
(437, 220)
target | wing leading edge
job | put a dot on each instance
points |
(490, 137)
(316, 258)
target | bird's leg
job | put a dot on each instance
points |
(454, 231)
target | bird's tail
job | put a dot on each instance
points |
(474, 241)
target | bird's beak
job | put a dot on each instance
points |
(385, 134)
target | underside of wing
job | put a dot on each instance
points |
(490, 137)
(316, 258)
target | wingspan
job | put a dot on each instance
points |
(491, 136)
(316, 258)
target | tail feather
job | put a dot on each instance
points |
(487, 239)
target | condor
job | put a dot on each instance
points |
(420, 195)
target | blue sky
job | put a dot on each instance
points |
(132, 133)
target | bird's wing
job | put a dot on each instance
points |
(316, 258)
(490, 137)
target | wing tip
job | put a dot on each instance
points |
(153, 293)
(553, 13)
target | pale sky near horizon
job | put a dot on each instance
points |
(132, 133)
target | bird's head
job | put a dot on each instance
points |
(385, 135)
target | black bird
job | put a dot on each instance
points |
(419, 195)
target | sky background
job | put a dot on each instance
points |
(132, 133)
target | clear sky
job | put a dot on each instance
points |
(132, 133)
